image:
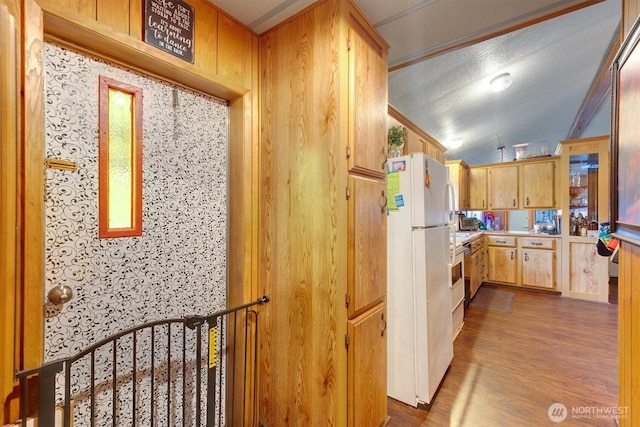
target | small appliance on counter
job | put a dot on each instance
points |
(467, 224)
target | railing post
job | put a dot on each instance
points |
(47, 393)
(46, 375)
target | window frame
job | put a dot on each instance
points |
(107, 84)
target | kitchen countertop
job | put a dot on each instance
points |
(463, 237)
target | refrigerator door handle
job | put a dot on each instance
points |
(451, 202)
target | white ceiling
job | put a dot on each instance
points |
(553, 64)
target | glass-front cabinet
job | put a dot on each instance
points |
(583, 194)
(584, 180)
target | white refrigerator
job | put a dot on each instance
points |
(419, 225)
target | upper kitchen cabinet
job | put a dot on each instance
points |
(523, 184)
(367, 101)
(478, 188)
(459, 179)
(539, 184)
(323, 140)
(503, 187)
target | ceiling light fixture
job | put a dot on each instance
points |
(501, 82)
(454, 143)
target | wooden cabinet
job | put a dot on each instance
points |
(529, 261)
(367, 231)
(459, 179)
(478, 188)
(584, 162)
(524, 184)
(539, 262)
(503, 187)
(367, 368)
(475, 266)
(322, 355)
(502, 255)
(367, 102)
(538, 185)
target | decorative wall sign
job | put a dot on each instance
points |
(168, 25)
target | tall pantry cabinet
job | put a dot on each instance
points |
(322, 219)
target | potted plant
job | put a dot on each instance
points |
(396, 137)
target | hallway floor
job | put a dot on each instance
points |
(509, 368)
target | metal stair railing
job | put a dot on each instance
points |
(163, 381)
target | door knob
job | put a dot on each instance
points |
(60, 294)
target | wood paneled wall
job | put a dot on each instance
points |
(629, 297)
(417, 139)
(629, 334)
(222, 46)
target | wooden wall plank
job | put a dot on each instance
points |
(303, 223)
(85, 8)
(32, 191)
(230, 49)
(113, 14)
(206, 35)
(9, 131)
(136, 24)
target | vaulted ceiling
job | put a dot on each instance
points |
(443, 53)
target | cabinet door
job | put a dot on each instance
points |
(503, 187)
(459, 179)
(367, 367)
(472, 267)
(367, 251)
(367, 103)
(478, 188)
(538, 185)
(502, 264)
(588, 271)
(539, 268)
(464, 188)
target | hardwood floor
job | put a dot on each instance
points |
(508, 368)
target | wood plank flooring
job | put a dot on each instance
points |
(508, 368)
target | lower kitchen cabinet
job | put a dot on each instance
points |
(539, 262)
(475, 266)
(588, 272)
(502, 259)
(367, 368)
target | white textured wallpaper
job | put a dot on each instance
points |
(179, 264)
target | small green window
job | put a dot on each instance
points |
(120, 159)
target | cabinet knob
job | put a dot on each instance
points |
(384, 156)
(383, 203)
(514, 203)
(527, 201)
(511, 254)
(526, 256)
